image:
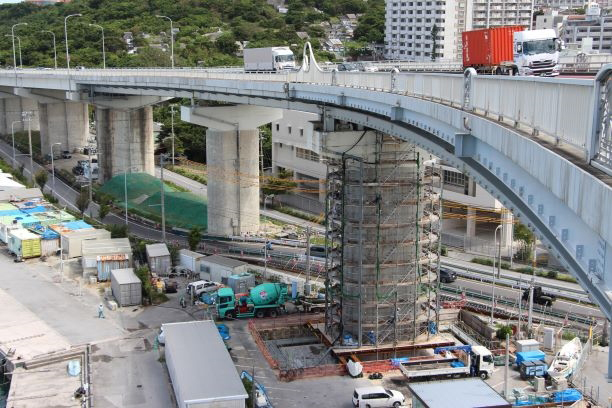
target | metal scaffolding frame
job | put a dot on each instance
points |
(382, 240)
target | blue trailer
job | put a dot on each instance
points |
(535, 355)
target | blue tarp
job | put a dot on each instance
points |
(529, 355)
(569, 395)
(45, 232)
(456, 364)
(76, 225)
(37, 209)
(10, 213)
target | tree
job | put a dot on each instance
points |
(434, 38)
(118, 230)
(103, 211)
(279, 185)
(525, 237)
(41, 178)
(83, 201)
(194, 238)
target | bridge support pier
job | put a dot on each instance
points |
(63, 122)
(11, 109)
(125, 141)
(232, 155)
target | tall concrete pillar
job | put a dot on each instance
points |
(125, 141)
(233, 181)
(506, 230)
(11, 111)
(63, 122)
(471, 222)
(232, 154)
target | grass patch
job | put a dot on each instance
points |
(489, 262)
(186, 173)
(176, 186)
(529, 270)
(299, 214)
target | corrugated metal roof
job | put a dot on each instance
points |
(99, 247)
(460, 393)
(154, 250)
(221, 260)
(192, 254)
(16, 194)
(201, 372)
(7, 206)
(124, 276)
(23, 233)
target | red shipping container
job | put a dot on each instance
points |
(489, 46)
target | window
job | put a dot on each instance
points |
(277, 127)
(454, 178)
(289, 129)
(301, 132)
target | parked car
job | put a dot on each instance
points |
(171, 286)
(447, 276)
(366, 67)
(348, 67)
(77, 170)
(377, 396)
(66, 154)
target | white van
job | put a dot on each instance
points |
(202, 286)
(371, 397)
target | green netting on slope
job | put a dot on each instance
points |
(184, 210)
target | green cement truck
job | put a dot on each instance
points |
(267, 299)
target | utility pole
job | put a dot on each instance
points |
(28, 116)
(172, 113)
(163, 208)
(307, 286)
(90, 184)
(529, 315)
(507, 364)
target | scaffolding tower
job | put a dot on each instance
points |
(382, 240)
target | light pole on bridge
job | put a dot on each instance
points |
(103, 50)
(14, 56)
(54, 46)
(171, 39)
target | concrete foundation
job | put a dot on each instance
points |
(471, 222)
(507, 227)
(233, 181)
(125, 141)
(10, 111)
(64, 122)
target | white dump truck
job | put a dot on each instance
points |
(269, 59)
(453, 361)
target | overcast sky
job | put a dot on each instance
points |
(10, 1)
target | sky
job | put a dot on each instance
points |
(10, 1)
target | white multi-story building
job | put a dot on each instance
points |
(571, 4)
(591, 31)
(409, 24)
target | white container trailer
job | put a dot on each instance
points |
(126, 287)
(268, 59)
(219, 268)
(190, 260)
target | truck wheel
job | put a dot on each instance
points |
(273, 313)
(230, 315)
(484, 375)
(514, 71)
(259, 314)
(499, 71)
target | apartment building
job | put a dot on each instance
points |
(409, 25)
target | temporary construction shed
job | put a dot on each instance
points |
(24, 244)
(72, 240)
(216, 385)
(158, 257)
(49, 240)
(219, 268)
(11, 222)
(190, 260)
(101, 256)
(126, 287)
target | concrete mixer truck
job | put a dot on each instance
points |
(267, 299)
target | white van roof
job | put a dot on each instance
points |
(370, 390)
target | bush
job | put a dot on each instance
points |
(50, 198)
(117, 230)
(443, 251)
(502, 331)
(41, 178)
(483, 261)
(552, 275)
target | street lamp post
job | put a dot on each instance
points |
(53, 168)
(163, 207)
(54, 46)
(103, 50)
(19, 47)
(67, 52)
(28, 116)
(172, 114)
(13, 137)
(171, 39)
(14, 56)
(494, 256)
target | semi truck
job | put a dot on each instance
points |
(512, 50)
(267, 299)
(539, 296)
(452, 361)
(268, 59)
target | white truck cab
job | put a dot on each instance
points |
(536, 52)
(482, 361)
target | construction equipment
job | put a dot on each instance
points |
(267, 299)
(539, 297)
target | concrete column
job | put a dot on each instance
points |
(125, 141)
(11, 111)
(471, 222)
(63, 122)
(233, 181)
(506, 230)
